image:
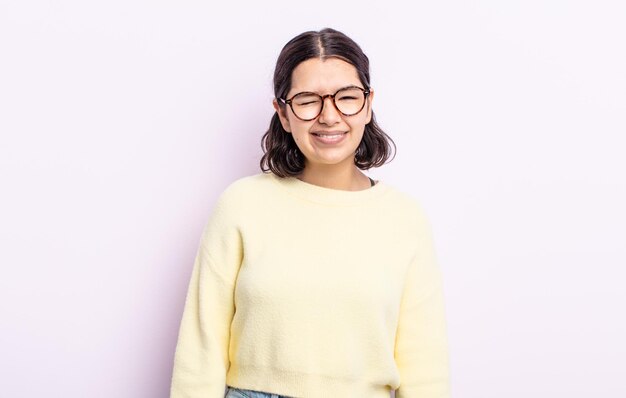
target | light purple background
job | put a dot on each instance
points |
(122, 121)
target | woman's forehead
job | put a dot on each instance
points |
(323, 75)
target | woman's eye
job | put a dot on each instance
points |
(307, 103)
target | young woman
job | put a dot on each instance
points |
(312, 280)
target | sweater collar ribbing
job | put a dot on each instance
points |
(328, 196)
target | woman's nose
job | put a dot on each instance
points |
(330, 115)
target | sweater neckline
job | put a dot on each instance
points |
(328, 196)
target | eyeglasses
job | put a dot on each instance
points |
(307, 106)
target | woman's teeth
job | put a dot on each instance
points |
(328, 135)
(334, 138)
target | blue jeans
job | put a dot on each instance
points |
(234, 392)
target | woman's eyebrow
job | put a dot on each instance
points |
(318, 93)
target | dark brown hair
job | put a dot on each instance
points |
(281, 154)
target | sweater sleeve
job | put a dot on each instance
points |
(421, 350)
(201, 358)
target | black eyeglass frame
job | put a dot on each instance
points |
(289, 101)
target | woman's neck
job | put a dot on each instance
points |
(334, 177)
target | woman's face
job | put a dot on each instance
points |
(326, 77)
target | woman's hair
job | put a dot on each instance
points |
(281, 154)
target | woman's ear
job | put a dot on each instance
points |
(370, 98)
(281, 115)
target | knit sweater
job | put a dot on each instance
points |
(311, 292)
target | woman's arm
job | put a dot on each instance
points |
(421, 349)
(201, 359)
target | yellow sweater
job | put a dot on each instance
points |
(312, 292)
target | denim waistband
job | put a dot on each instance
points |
(234, 392)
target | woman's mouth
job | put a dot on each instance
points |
(329, 138)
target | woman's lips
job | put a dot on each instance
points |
(329, 137)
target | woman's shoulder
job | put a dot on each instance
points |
(237, 199)
(247, 184)
(408, 206)
(402, 197)
(244, 189)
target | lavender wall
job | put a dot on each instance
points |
(121, 122)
